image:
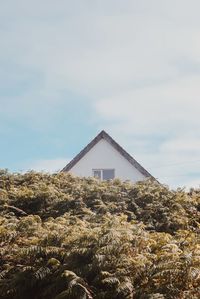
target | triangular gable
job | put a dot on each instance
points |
(115, 145)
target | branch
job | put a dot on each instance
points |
(14, 209)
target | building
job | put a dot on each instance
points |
(105, 159)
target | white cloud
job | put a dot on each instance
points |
(97, 53)
(173, 105)
(185, 144)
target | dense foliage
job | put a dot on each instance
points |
(66, 237)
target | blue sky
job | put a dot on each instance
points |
(69, 69)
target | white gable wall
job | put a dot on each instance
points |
(104, 156)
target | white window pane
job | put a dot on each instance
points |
(97, 174)
(108, 174)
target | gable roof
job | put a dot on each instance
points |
(113, 143)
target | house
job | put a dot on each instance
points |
(105, 159)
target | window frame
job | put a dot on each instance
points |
(101, 171)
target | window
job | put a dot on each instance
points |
(104, 174)
(97, 174)
(108, 174)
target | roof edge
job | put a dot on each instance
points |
(84, 151)
(111, 141)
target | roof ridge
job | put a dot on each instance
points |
(104, 135)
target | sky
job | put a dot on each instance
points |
(69, 69)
